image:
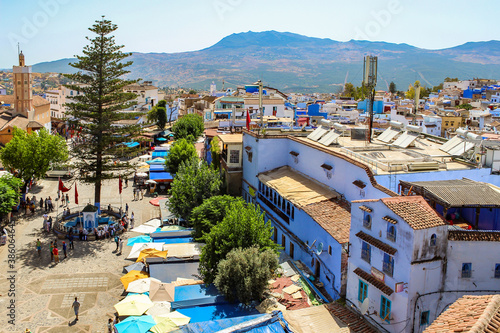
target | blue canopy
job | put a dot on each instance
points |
(160, 176)
(161, 139)
(160, 154)
(131, 144)
(157, 167)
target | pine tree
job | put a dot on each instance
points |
(96, 112)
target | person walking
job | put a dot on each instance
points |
(121, 246)
(56, 255)
(41, 203)
(126, 182)
(64, 250)
(62, 201)
(51, 251)
(110, 325)
(117, 241)
(39, 247)
(76, 307)
(67, 199)
(46, 205)
(70, 238)
(132, 221)
(126, 208)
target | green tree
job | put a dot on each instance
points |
(465, 106)
(209, 213)
(349, 90)
(9, 193)
(392, 87)
(158, 115)
(215, 152)
(192, 92)
(182, 150)
(437, 88)
(193, 184)
(244, 274)
(96, 112)
(162, 103)
(188, 127)
(242, 227)
(449, 79)
(30, 155)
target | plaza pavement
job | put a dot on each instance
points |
(45, 291)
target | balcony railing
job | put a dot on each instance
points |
(365, 255)
(388, 268)
(466, 274)
(275, 209)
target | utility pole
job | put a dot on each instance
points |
(261, 111)
(370, 82)
(416, 102)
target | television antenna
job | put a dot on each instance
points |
(364, 306)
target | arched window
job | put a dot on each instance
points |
(391, 232)
(367, 221)
(433, 240)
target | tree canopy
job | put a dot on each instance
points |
(215, 152)
(193, 184)
(158, 115)
(182, 150)
(209, 213)
(465, 106)
(242, 227)
(30, 155)
(188, 127)
(9, 193)
(392, 87)
(245, 273)
(355, 92)
(96, 113)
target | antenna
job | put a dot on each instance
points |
(18, 51)
(364, 306)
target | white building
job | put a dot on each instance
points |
(57, 99)
(3, 91)
(147, 94)
(272, 106)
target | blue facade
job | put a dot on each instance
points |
(378, 106)
(314, 110)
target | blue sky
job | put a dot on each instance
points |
(53, 29)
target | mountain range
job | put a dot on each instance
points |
(292, 62)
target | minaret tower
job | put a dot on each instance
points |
(23, 94)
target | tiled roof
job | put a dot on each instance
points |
(39, 101)
(373, 281)
(474, 235)
(469, 314)
(377, 243)
(356, 322)
(457, 192)
(366, 209)
(332, 215)
(415, 211)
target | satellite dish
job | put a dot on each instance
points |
(364, 306)
(319, 249)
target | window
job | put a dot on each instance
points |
(388, 265)
(433, 240)
(329, 249)
(424, 318)
(466, 270)
(367, 221)
(385, 309)
(497, 271)
(234, 156)
(283, 242)
(391, 232)
(275, 235)
(363, 291)
(250, 156)
(366, 252)
(292, 249)
(293, 213)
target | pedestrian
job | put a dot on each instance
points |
(64, 249)
(132, 221)
(49, 223)
(62, 201)
(117, 241)
(126, 182)
(110, 325)
(126, 208)
(46, 205)
(70, 238)
(51, 251)
(56, 254)
(39, 247)
(45, 217)
(67, 199)
(121, 246)
(135, 193)
(76, 307)
(142, 193)
(41, 203)
(115, 321)
(49, 202)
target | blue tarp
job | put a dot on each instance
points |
(216, 325)
(131, 144)
(217, 311)
(160, 154)
(160, 176)
(168, 240)
(157, 167)
(194, 292)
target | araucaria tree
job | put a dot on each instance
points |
(98, 109)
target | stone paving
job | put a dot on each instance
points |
(44, 291)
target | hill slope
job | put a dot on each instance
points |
(294, 62)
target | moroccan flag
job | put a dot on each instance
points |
(248, 120)
(62, 188)
(120, 184)
(76, 195)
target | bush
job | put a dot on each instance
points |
(189, 127)
(243, 276)
(181, 151)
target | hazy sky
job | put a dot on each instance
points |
(53, 29)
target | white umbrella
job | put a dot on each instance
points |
(138, 247)
(145, 157)
(159, 308)
(141, 286)
(177, 317)
(145, 229)
(150, 181)
(153, 223)
(141, 174)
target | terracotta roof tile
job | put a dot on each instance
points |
(377, 243)
(474, 235)
(469, 314)
(356, 322)
(39, 101)
(366, 209)
(415, 211)
(390, 219)
(373, 281)
(332, 215)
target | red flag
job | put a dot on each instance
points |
(248, 120)
(62, 188)
(76, 195)
(120, 184)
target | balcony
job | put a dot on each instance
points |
(275, 209)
